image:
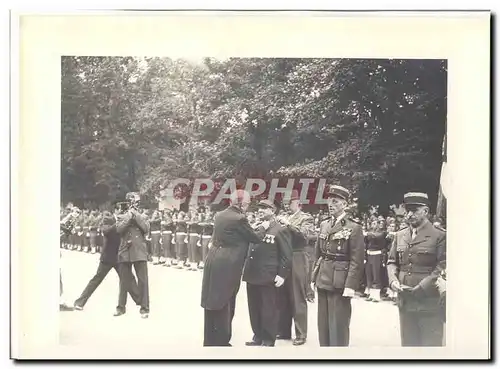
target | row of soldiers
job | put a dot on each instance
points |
(176, 238)
(181, 239)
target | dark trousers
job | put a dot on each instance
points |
(168, 247)
(181, 248)
(218, 325)
(155, 245)
(101, 273)
(334, 318)
(310, 265)
(420, 328)
(93, 239)
(263, 311)
(292, 299)
(373, 268)
(127, 281)
(193, 249)
(205, 240)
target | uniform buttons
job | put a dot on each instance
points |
(251, 257)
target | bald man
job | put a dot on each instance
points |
(223, 269)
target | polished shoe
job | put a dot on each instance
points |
(282, 337)
(119, 312)
(64, 307)
(144, 315)
(299, 341)
(78, 307)
(268, 344)
(253, 343)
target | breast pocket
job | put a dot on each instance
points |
(426, 256)
(400, 250)
(340, 275)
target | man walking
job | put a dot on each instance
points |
(108, 261)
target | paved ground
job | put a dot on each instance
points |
(176, 318)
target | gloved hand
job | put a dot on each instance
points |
(278, 281)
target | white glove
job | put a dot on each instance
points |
(278, 281)
(348, 292)
(209, 245)
(265, 224)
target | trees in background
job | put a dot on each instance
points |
(375, 126)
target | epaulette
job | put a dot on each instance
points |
(355, 221)
(439, 227)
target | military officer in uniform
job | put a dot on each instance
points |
(416, 260)
(293, 295)
(266, 269)
(223, 269)
(338, 270)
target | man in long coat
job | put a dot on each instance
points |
(223, 269)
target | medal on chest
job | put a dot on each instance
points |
(268, 238)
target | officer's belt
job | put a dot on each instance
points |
(155, 232)
(374, 252)
(335, 257)
(416, 269)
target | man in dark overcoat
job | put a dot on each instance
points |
(223, 269)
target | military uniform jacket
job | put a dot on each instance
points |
(133, 243)
(340, 251)
(109, 254)
(270, 257)
(224, 263)
(418, 262)
(302, 228)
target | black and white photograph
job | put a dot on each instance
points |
(256, 203)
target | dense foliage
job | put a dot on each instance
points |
(375, 126)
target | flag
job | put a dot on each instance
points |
(444, 185)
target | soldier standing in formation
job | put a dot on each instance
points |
(181, 240)
(223, 268)
(167, 237)
(416, 260)
(376, 247)
(155, 224)
(194, 256)
(293, 295)
(207, 225)
(266, 269)
(338, 270)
